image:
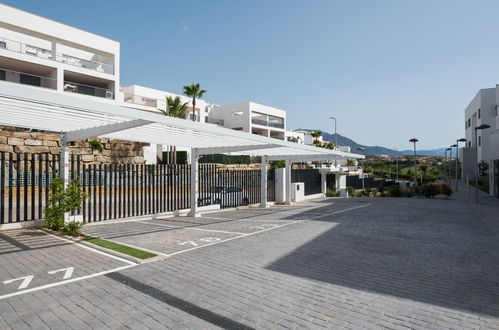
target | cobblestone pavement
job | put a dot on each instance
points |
(331, 263)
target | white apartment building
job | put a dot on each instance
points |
(40, 52)
(251, 117)
(482, 110)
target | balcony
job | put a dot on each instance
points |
(27, 79)
(72, 87)
(141, 100)
(22, 48)
(269, 123)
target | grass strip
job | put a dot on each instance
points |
(120, 248)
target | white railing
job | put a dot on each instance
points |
(22, 48)
(27, 79)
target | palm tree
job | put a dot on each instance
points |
(316, 135)
(194, 91)
(174, 108)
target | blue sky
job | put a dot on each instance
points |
(388, 70)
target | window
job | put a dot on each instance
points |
(469, 122)
(478, 113)
(2, 75)
(479, 141)
(30, 80)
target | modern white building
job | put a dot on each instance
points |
(40, 52)
(251, 117)
(485, 143)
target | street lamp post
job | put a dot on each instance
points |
(397, 159)
(335, 133)
(444, 170)
(362, 164)
(483, 126)
(457, 158)
(447, 174)
(414, 140)
(450, 172)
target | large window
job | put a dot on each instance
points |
(30, 80)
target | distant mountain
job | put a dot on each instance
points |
(375, 150)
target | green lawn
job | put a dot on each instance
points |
(120, 248)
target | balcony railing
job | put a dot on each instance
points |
(141, 100)
(266, 123)
(22, 48)
(73, 87)
(27, 79)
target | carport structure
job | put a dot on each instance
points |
(77, 117)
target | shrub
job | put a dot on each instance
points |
(61, 201)
(72, 228)
(351, 191)
(395, 190)
(332, 193)
(429, 190)
(96, 145)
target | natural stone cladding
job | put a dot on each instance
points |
(19, 140)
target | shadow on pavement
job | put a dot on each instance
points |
(439, 252)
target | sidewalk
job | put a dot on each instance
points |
(487, 206)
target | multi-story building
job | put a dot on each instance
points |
(251, 117)
(40, 52)
(482, 145)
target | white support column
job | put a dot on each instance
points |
(64, 169)
(288, 182)
(194, 183)
(263, 183)
(323, 183)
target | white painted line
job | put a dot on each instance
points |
(230, 239)
(51, 285)
(24, 284)
(340, 211)
(215, 231)
(146, 222)
(94, 250)
(68, 272)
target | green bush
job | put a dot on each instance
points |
(61, 201)
(395, 190)
(332, 193)
(429, 190)
(351, 191)
(72, 228)
(96, 145)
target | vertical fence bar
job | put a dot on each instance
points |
(33, 185)
(128, 192)
(25, 190)
(84, 188)
(168, 188)
(18, 190)
(100, 190)
(40, 185)
(11, 162)
(104, 187)
(132, 186)
(2, 187)
(115, 191)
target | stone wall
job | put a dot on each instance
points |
(19, 140)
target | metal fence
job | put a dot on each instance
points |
(311, 177)
(121, 190)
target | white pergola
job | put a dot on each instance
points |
(76, 117)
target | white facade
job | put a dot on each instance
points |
(251, 117)
(41, 52)
(482, 110)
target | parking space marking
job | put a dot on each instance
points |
(51, 285)
(232, 238)
(156, 224)
(68, 272)
(215, 231)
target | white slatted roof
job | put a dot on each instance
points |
(79, 117)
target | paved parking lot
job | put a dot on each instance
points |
(330, 263)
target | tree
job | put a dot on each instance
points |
(424, 169)
(316, 135)
(194, 91)
(175, 107)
